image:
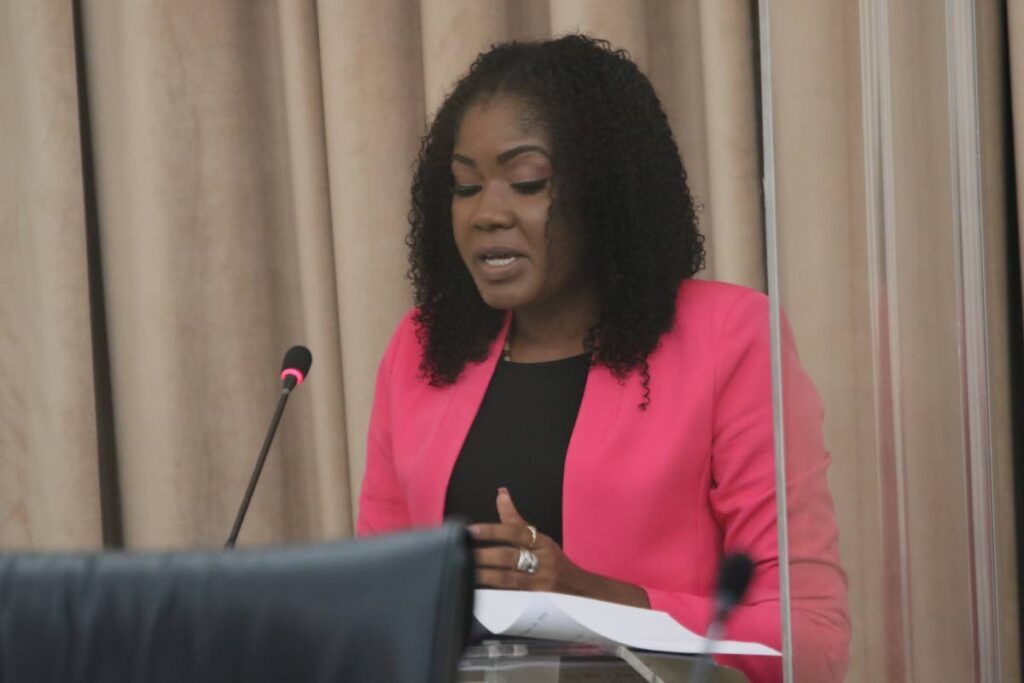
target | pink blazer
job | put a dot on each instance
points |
(654, 497)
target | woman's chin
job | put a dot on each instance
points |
(504, 298)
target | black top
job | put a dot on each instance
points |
(518, 440)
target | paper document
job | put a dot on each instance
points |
(555, 616)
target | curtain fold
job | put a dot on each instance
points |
(311, 217)
(1003, 301)
(49, 489)
(1015, 41)
(373, 107)
(732, 123)
(200, 266)
(1011, 480)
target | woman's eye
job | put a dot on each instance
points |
(530, 186)
(465, 190)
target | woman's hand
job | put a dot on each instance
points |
(497, 566)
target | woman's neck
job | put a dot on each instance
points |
(553, 330)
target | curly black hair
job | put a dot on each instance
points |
(616, 172)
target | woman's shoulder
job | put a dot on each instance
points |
(710, 304)
(404, 349)
(407, 325)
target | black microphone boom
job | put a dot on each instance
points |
(294, 369)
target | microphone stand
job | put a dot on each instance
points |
(733, 579)
(704, 664)
(285, 392)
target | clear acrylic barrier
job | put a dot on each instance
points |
(533, 661)
(888, 327)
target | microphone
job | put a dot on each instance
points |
(294, 368)
(733, 578)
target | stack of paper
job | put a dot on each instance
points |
(553, 616)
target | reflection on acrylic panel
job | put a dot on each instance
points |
(876, 256)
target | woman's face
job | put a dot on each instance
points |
(500, 210)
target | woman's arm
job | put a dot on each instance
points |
(743, 500)
(382, 504)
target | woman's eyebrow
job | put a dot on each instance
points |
(504, 156)
(521, 149)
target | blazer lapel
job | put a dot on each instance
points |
(599, 410)
(456, 419)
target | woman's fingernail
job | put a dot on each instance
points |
(502, 489)
(473, 530)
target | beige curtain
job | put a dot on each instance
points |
(188, 188)
(49, 491)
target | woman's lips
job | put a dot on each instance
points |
(501, 267)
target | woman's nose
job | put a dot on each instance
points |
(492, 211)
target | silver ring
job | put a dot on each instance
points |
(533, 534)
(528, 561)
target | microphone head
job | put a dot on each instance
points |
(733, 578)
(296, 364)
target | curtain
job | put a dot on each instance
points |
(49, 446)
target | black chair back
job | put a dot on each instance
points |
(391, 608)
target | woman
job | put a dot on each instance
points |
(562, 368)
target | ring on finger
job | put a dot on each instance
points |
(533, 534)
(528, 561)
